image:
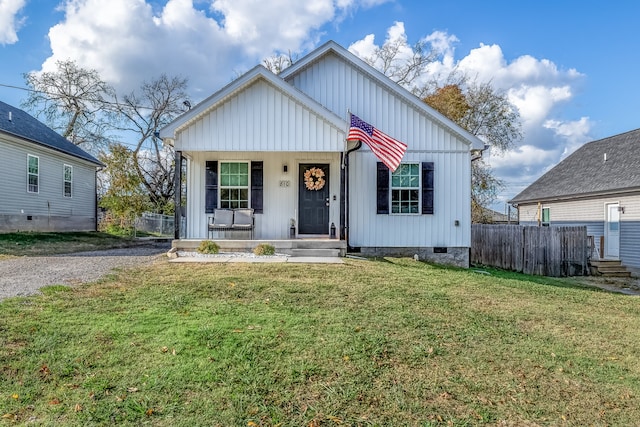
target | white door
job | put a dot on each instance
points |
(612, 232)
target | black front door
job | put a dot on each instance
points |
(313, 199)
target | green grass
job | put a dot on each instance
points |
(35, 244)
(388, 342)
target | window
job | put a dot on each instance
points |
(33, 173)
(68, 180)
(546, 218)
(234, 185)
(405, 189)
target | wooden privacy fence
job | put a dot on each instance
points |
(544, 251)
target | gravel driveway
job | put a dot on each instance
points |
(25, 275)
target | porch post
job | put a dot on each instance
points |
(177, 195)
(342, 197)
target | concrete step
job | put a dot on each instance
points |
(328, 253)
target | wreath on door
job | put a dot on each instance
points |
(314, 179)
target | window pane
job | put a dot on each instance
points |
(33, 164)
(224, 168)
(233, 168)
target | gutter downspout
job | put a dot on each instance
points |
(345, 167)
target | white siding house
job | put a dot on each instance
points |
(598, 186)
(48, 184)
(274, 128)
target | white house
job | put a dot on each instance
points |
(48, 183)
(253, 143)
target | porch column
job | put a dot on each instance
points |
(177, 195)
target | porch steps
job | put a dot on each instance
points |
(324, 253)
(609, 268)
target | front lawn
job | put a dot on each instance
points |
(43, 243)
(388, 342)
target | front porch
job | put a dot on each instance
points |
(303, 247)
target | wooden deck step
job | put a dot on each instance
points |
(609, 268)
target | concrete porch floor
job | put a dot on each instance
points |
(304, 250)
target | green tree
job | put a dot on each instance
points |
(122, 192)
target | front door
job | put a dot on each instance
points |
(612, 232)
(313, 199)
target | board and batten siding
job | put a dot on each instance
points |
(452, 186)
(340, 86)
(280, 202)
(261, 118)
(50, 200)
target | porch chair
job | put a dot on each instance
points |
(222, 220)
(243, 220)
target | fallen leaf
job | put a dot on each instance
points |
(78, 407)
(252, 424)
(132, 389)
(164, 349)
(54, 401)
(334, 419)
(15, 395)
(149, 412)
(8, 416)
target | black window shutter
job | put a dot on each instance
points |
(211, 186)
(427, 187)
(257, 186)
(382, 204)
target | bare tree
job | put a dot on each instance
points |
(74, 101)
(145, 112)
(276, 63)
(401, 63)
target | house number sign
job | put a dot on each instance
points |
(285, 183)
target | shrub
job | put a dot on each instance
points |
(264, 249)
(208, 247)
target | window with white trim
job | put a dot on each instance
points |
(546, 217)
(234, 185)
(405, 189)
(33, 174)
(67, 180)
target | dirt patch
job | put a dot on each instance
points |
(622, 285)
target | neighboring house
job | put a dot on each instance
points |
(48, 183)
(597, 186)
(251, 144)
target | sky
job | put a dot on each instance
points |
(570, 67)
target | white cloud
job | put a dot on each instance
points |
(537, 87)
(129, 41)
(9, 21)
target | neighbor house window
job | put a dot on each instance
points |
(68, 180)
(546, 217)
(405, 189)
(33, 173)
(234, 185)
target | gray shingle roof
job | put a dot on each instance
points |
(31, 129)
(586, 172)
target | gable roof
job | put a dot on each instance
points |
(240, 84)
(609, 165)
(14, 121)
(331, 47)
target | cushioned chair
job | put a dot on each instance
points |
(243, 220)
(222, 220)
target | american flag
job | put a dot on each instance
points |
(387, 149)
